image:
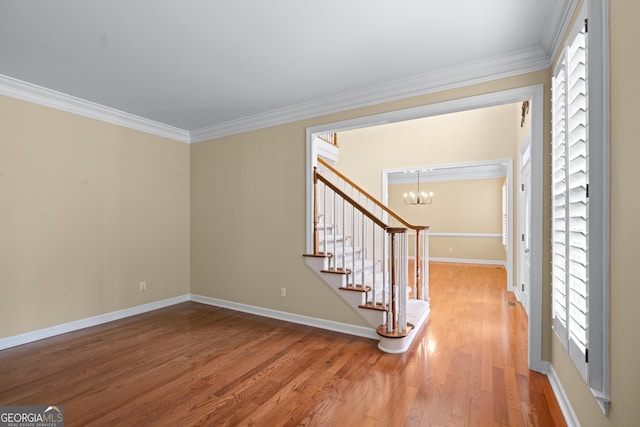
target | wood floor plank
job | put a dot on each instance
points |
(500, 409)
(193, 364)
(511, 388)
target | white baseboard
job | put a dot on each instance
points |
(565, 406)
(470, 261)
(90, 321)
(360, 331)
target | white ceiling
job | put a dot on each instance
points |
(198, 64)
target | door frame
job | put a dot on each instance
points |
(535, 94)
(526, 148)
(508, 175)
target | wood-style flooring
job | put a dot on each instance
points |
(192, 364)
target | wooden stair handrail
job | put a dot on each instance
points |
(370, 197)
(353, 203)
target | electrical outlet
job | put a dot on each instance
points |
(450, 250)
(143, 286)
(283, 292)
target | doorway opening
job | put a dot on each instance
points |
(465, 212)
(532, 93)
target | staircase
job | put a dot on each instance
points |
(366, 261)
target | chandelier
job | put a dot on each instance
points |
(419, 197)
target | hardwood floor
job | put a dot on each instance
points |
(192, 364)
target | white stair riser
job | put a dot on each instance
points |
(354, 298)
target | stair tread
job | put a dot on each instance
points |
(337, 271)
(378, 307)
(356, 288)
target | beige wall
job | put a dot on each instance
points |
(468, 136)
(625, 236)
(87, 211)
(465, 206)
(248, 222)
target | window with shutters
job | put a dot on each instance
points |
(578, 298)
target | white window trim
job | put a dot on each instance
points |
(598, 208)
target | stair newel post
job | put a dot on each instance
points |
(398, 267)
(421, 267)
(393, 310)
(403, 267)
(424, 265)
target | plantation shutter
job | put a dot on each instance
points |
(559, 205)
(577, 192)
(580, 221)
(570, 200)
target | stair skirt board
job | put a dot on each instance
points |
(417, 310)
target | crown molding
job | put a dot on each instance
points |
(516, 63)
(559, 26)
(25, 91)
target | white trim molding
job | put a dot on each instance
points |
(557, 30)
(515, 63)
(360, 331)
(472, 235)
(512, 64)
(88, 322)
(562, 398)
(470, 261)
(599, 200)
(29, 92)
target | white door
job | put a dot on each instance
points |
(523, 287)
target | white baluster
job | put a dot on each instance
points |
(353, 245)
(424, 276)
(344, 237)
(404, 269)
(324, 219)
(385, 279)
(363, 256)
(335, 230)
